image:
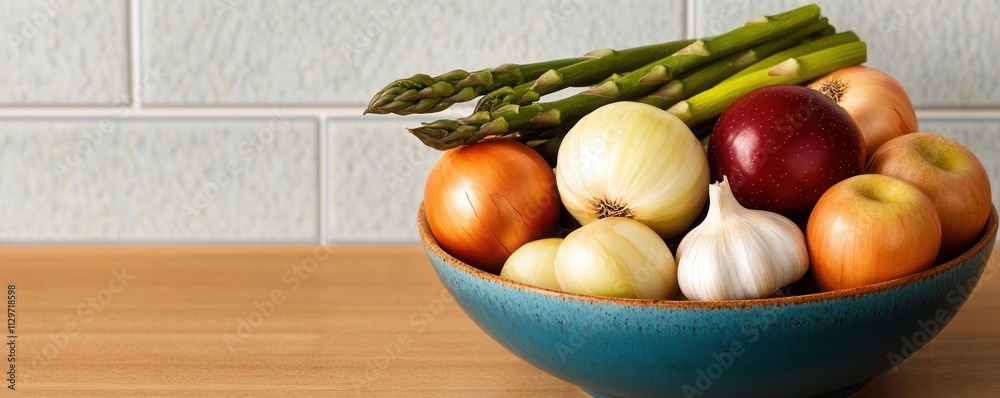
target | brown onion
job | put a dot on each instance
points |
(484, 200)
(874, 99)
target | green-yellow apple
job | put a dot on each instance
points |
(871, 228)
(950, 175)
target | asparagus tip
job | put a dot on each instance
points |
(495, 127)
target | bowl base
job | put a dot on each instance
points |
(844, 393)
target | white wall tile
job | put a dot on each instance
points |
(376, 174)
(342, 52)
(63, 52)
(159, 180)
(135, 182)
(943, 52)
(982, 137)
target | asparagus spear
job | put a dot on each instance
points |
(800, 50)
(445, 134)
(694, 82)
(425, 94)
(796, 70)
(705, 77)
(579, 74)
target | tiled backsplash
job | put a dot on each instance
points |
(239, 120)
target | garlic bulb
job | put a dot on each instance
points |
(633, 160)
(616, 257)
(738, 253)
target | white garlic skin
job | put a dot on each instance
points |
(738, 253)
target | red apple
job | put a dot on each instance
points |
(871, 228)
(950, 175)
(782, 147)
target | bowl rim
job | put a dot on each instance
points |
(987, 238)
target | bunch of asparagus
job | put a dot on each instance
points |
(693, 79)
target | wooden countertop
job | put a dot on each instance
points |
(298, 322)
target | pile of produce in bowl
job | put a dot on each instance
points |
(750, 214)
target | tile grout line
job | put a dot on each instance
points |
(324, 154)
(689, 18)
(340, 112)
(135, 57)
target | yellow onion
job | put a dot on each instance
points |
(616, 257)
(484, 200)
(636, 161)
(534, 264)
(874, 99)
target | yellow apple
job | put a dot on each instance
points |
(871, 228)
(950, 175)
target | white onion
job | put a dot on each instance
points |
(636, 161)
(616, 257)
(534, 264)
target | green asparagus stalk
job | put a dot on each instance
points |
(425, 94)
(690, 81)
(445, 134)
(705, 77)
(800, 50)
(592, 71)
(796, 70)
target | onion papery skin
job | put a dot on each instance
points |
(484, 200)
(875, 100)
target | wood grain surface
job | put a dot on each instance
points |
(308, 321)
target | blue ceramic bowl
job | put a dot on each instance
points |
(801, 346)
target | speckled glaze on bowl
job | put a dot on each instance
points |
(801, 346)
